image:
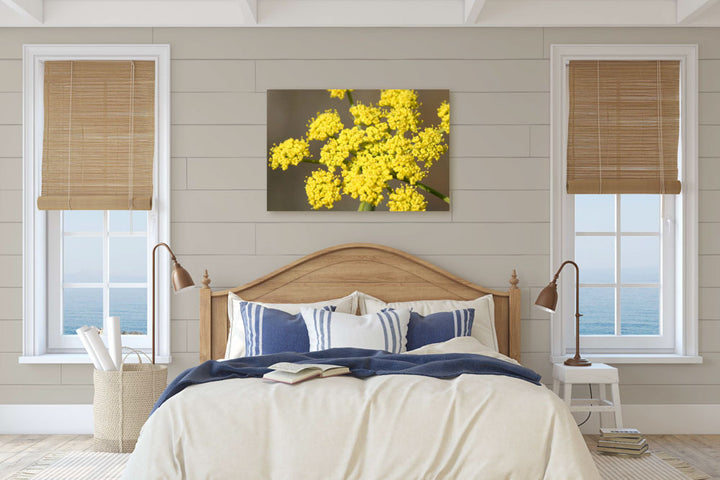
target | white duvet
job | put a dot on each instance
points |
(383, 427)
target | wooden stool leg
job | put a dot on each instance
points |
(567, 393)
(603, 397)
(556, 386)
(618, 406)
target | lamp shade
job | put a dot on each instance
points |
(547, 300)
(181, 279)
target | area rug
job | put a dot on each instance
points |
(110, 466)
(651, 466)
(75, 466)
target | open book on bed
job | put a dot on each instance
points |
(292, 373)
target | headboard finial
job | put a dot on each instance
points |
(514, 280)
(206, 280)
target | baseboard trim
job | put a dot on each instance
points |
(650, 419)
(688, 419)
(46, 419)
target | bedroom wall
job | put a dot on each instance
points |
(499, 83)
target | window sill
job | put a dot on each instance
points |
(77, 359)
(626, 358)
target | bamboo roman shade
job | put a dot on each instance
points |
(624, 127)
(99, 135)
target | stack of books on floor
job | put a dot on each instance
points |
(622, 441)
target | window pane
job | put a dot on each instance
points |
(597, 306)
(82, 260)
(640, 311)
(119, 221)
(87, 221)
(139, 220)
(640, 260)
(640, 213)
(130, 304)
(82, 306)
(596, 258)
(594, 213)
(128, 259)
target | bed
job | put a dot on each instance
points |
(384, 426)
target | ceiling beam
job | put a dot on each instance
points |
(249, 10)
(472, 10)
(32, 9)
(688, 10)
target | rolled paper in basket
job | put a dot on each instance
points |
(91, 333)
(114, 341)
(88, 348)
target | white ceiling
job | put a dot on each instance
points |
(394, 13)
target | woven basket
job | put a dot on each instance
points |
(123, 401)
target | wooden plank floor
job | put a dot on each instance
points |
(19, 451)
(700, 451)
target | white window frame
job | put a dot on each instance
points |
(35, 222)
(684, 347)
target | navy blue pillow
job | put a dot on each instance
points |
(268, 330)
(439, 327)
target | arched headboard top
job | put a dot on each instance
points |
(383, 272)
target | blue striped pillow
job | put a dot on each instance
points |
(439, 327)
(377, 331)
(273, 331)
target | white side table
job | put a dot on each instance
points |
(598, 373)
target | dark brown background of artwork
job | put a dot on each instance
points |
(288, 113)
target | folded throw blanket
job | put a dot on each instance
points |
(361, 362)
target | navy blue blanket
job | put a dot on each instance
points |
(362, 363)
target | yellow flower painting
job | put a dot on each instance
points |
(359, 150)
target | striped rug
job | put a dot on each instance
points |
(651, 466)
(75, 466)
(110, 466)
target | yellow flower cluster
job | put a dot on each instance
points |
(337, 150)
(444, 114)
(325, 125)
(366, 178)
(339, 93)
(387, 146)
(403, 115)
(428, 146)
(289, 152)
(322, 189)
(406, 199)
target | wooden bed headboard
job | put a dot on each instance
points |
(383, 272)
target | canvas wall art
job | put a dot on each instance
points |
(362, 150)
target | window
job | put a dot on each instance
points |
(99, 262)
(637, 252)
(82, 266)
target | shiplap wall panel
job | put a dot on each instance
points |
(226, 173)
(468, 173)
(11, 178)
(351, 43)
(12, 39)
(212, 75)
(709, 303)
(457, 75)
(10, 140)
(499, 83)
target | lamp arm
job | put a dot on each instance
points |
(577, 283)
(172, 254)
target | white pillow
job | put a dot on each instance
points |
(377, 331)
(236, 337)
(483, 324)
(460, 345)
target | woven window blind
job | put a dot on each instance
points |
(99, 135)
(624, 127)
